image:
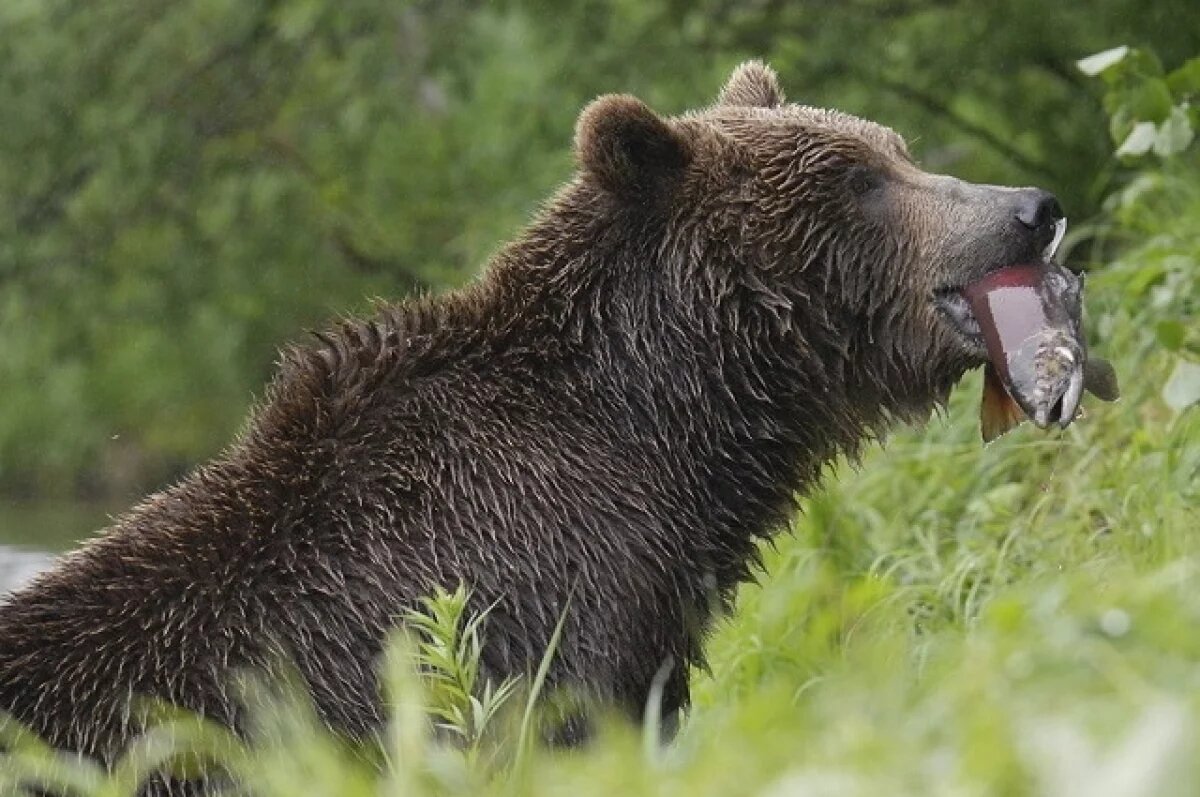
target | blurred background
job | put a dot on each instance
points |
(186, 186)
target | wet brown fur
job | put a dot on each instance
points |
(714, 308)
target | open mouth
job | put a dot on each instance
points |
(1023, 320)
(955, 308)
(952, 302)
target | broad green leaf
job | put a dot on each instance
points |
(1143, 63)
(1175, 134)
(1138, 99)
(1170, 334)
(1139, 141)
(1098, 62)
(1182, 389)
(1149, 99)
(1185, 79)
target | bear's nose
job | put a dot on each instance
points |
(1039, 211)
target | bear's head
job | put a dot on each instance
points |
(811, 233)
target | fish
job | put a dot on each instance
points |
(1038, 367)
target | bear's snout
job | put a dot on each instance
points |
(982, 228)
(1039, 212)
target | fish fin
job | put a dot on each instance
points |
(998, 413)
(1100, 379)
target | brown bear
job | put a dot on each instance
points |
(713, 308)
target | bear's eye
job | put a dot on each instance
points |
(864, 180)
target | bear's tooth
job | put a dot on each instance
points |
(1060, 229)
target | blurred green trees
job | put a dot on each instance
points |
(186, 186)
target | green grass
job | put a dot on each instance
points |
(943, 619)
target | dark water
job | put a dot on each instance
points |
(31, 535)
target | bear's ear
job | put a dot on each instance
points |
(752, 85)
(627, 147)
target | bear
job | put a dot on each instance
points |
(600, 429)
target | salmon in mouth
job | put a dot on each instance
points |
(1025, 321)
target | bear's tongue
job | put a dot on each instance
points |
(1029, 325)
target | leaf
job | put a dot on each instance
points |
(1170, 334)
(1183, 386)
(1142, 63)
(1185, 79)
(1139, 141)
(539, 681)
(1175, 134)
(1120, 122)
(1149, 99)
(1098, 62)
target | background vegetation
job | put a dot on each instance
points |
(184, 186)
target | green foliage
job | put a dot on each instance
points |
(1155, 111)
(184, 189)
(1150, 110)
(447, 655)
(182, 744)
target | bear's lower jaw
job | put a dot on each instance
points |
(954, 309)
